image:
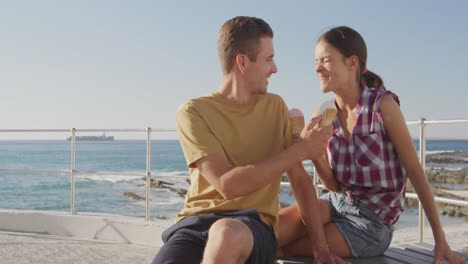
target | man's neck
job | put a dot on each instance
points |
(234, 90)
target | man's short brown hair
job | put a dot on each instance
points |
(241, 35)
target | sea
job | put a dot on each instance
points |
(97, 193)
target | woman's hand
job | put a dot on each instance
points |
(315, 138)
(443, 252)
(326, 257)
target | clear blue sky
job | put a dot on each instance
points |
(130, 64)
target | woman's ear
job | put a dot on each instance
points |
(353, 62)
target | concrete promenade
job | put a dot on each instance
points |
(25, 248)
(57, 237)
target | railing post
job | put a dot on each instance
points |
(422, 158)
(148, 173)
(316, 182)
(72, 172)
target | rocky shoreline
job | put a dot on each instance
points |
(445, 208)
(443, 175)
(435, 176)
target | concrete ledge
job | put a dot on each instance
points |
(107, 227)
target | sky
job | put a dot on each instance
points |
(130, 64)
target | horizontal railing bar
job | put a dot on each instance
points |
(441, 199)
(411, 196)
(108, 173)
(37, 171)
(321, 186)
(86, 130)
(61, 130)
(35, 130)
(167, 176)
(122, 130)
(76, 172)
(427, 122)
(434, 122)
(97, 173)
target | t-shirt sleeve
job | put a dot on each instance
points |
(196, 138)
(288, 135)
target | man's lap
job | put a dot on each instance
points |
(193, 230)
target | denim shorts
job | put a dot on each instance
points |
(366, 233)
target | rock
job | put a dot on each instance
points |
(460, 153)
(446, 160)
(179, 191)
(447, 176)
(464, 250)
(158, 183)
(443, 176)
(168, 185)
(134, 196)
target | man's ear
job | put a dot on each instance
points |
(241, 61)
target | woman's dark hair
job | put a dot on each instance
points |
(349, 42)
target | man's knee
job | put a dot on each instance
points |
(230, 235)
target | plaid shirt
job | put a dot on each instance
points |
(367, 164)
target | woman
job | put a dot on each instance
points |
(368, 160)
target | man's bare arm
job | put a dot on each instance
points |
(242, 180)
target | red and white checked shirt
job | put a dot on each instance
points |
(367, 164)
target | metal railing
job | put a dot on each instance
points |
(73, 172)
(423, 123)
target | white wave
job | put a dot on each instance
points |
(165, 203)
(429, 152)
(447, 168)
(115, 178)
(110, 178)
(170, 173)
(168, 202)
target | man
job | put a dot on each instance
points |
(237, 143)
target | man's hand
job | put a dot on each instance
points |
(315, 138)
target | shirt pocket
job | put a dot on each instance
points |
(368, 150)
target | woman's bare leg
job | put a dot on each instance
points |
(291, 227)
(292, 240)
(336, 243)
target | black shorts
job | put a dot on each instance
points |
(184, 242)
